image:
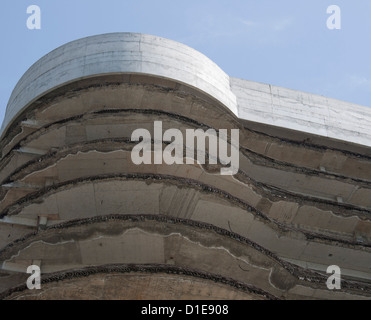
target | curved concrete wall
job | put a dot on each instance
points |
(151, 55)
(120, 53)
(72, 199)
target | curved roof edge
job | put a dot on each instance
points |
(146, 54)
(119, 53)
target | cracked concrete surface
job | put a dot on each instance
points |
(71, 197)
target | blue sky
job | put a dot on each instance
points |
(284, 43)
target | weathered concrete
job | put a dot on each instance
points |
(72, 199)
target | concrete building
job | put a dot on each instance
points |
(101, 227)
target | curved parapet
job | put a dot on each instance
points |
(119, 53)
(133, 53)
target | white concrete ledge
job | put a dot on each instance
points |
(119, 53)
(302, 111)
(145, 54)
